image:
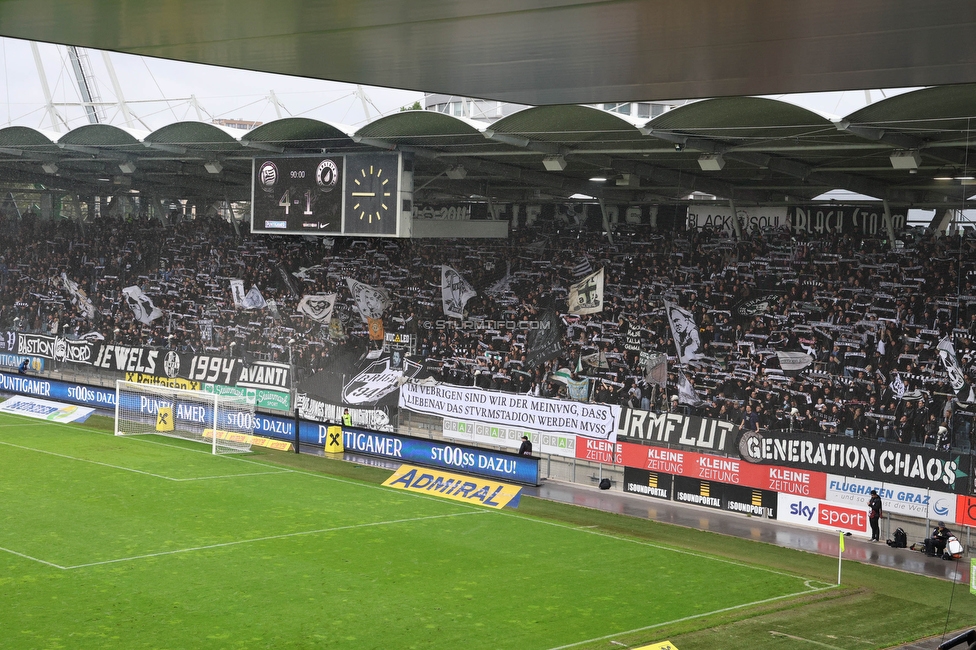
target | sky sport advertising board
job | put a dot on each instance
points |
(821, 514)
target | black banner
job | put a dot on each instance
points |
(55, 348)
(675, 429)
(723, 496)
(544, 343)
(648, 484)
(879, 461)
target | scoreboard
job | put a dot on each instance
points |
(340, 194)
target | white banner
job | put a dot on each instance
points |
(479, 433)
(586, 296)
(455, 292)
(504, 409)
(141, 305)
(900, 499)
(318, 307)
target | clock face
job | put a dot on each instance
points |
(371, 194)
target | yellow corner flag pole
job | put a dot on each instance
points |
(840, 552)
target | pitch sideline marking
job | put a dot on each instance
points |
(800, 638)
(30, 557)
(688, 618)
(138, 471)
(264, 539)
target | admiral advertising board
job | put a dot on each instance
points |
(866, 459)
(702, 434)
(899, 499)
(821, 514)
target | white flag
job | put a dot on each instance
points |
(237, 292)
(897, 386)
(371, 301)
(78, 297)
(586, 296)
(685, 333)
(253, 299)
(686, 392)
(793, 362)
(141, 305)
(317, 307)
(455, 292)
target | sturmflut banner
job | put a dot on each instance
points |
(555, 416)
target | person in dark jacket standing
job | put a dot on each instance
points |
(874, 516)
(525, 449)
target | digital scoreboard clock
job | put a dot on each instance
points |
(341, 194)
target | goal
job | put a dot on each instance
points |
(226, 423)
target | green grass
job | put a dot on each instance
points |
(147, 542)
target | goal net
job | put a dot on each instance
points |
(226, 423)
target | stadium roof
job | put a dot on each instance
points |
(538, 52)
(914, 149)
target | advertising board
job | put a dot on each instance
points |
(821, 514)
(898, 499)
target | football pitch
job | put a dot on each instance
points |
(148, 542)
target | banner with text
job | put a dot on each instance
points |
(666, 429)
(504, 409)
(865, 459)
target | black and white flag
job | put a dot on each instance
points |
(371, 301)
(686, 392)
(503, 285)
(237, 293)
(317, 307)
(586, 296)
(897, 386)
(656, 369)
(206, 329)
(582, 267)
(78, 297)
(957, 379)
(141, 305)
(455, 292)
(685, 333)
(253, 299)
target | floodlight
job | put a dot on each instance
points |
(554, 163)
(213, 167)
(49, 168)
(127, 166)
(711, 162)
(905, 159)
(457, 172)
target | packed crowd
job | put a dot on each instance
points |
(869, 316)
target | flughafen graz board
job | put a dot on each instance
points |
(339, 194)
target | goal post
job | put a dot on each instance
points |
(224, 422)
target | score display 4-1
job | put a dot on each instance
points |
(301, 194)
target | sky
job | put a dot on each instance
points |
(228, 93)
